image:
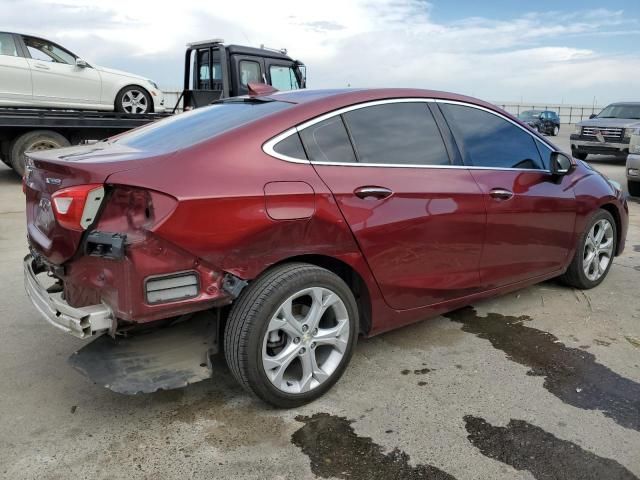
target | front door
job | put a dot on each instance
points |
(57, 81)
(419, 221)
(530, 213)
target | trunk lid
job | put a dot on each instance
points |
(52, 170)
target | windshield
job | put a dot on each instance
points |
(621, 111)
(189, 128)
(528, 114)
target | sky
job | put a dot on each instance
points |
(571, 51)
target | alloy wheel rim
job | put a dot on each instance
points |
(306, 340)
(134, 101)
(598, 250)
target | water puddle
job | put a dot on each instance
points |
(336, 451)
(527, 447)
(571, 374)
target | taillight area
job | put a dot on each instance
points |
(75, 208)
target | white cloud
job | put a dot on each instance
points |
(361, 43)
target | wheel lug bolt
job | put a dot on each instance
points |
(305, 328)
(313, 345)
(302, 351)
(296, 340)
(315, 331)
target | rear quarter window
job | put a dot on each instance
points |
(189, 128)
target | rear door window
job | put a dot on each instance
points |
(487, 140)
(328, 141)
(396, 133)
(291, 147)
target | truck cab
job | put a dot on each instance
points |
(214, 70)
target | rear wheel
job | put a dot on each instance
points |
(133, 99)
(634, 188)
(595, 252)
(33, 141)
(291, 334)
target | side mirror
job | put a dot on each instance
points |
(81, 63)
(593, 115)
(561, 163)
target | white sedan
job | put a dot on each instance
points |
(35, 72)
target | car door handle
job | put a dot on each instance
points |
(501, 193)
(42, 67)
(375, 192)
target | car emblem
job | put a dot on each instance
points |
(599, 135)
(53, 181)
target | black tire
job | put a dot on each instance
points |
(634, 188)
(35, 140)
(575, 276)
(131, 90)
(579, 155)
(248, 322)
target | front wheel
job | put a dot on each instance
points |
(594, 254)
(134, 100)
(291, 334)
(556, 131)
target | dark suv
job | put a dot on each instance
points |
(543, 121)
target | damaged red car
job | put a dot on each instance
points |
(277, 228)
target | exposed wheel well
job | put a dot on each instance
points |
(611, 208)
(350, 277)
(115, 101)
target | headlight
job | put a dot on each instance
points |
(631, 131)
(615, 185)
(577, 130)
(155, 85)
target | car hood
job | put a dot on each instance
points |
(119, 72)
(610, 122)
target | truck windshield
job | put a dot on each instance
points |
(621, 111)
(189, 128)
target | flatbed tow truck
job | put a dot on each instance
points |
(212, 71)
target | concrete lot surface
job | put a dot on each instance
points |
(543, 383)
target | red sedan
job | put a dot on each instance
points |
(304, 219)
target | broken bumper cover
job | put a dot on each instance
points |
(80, 322)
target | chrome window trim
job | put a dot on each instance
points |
(268, 146)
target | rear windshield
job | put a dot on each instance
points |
(187, 129)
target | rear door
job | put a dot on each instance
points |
(418, 219)
(57, 81)
(530, 213)
(15, 74)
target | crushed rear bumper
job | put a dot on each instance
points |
(80, 322)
